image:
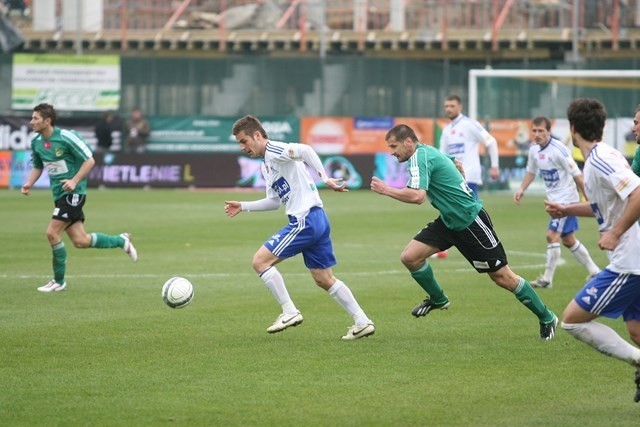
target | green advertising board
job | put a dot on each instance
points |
(209, 134)
(69, 82)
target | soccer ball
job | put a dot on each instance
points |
(177, 292)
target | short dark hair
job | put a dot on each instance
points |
(537, 121)
(587, 116)
(400, 133)
(46, 111)
(638, 108)
(453, 98)
(249, 125)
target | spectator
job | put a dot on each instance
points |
(103, 131)
(137, 131)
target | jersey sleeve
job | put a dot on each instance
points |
(418, 171)
(622, 179)
(532, 165)
(78, 145)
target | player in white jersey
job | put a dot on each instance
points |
(289, 183)
(562, 179)
(461, 139)
(613, 191)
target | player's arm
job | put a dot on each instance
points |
(310, 157)
(492, 148)
(31, 180)
(406, 194)
(233, 208)
(559, 210)
(609, 239)
(526, 181)
(70, 184)
(579, 179)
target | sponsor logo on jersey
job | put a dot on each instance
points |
(59, 152)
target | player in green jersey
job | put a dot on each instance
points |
(68, 160)
(462, 223)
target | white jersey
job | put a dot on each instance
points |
(608, 182)
(557, 170)
(460, 139)
(288, 178)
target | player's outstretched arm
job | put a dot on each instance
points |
(559, 210)
(336, 184)
(233, 208)
(406, 195)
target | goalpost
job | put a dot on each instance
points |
(578, 80)
(505, 100)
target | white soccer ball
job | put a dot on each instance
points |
(177, 292)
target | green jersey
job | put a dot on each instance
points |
(62, 155)
(434, 172)
(635, 165)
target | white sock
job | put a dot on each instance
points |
(553, 255)
(274, 281)
(582, 255)
(605, 340)
(341, 293)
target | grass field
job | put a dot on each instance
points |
(109, 352)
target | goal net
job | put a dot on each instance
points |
(505, 101)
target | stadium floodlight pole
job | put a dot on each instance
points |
(474, 74)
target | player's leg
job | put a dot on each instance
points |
(414, 256)
(612, 295)
(552, 255)
(285, 243)
(522, 290)
(340, 292)
(578, 250)
(633, 326)
(54, 232)
(319, 258)
(480, 245)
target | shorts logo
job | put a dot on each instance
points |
(586, 300)
(481, 264)
(275, 238)
(56, 211)
(592, 291)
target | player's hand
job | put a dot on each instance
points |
(378, 185)
(337, 184)
(608, 240)
(68, 184)
(556, 210)
(518, 196)
(494, 173)
(232, 208)
(26, 189)
(459, 166)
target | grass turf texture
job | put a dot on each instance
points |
(109, 352)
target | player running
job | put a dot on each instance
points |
(308, 232)
(462, 223)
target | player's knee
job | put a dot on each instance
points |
(634, 333)
(82, 242)
(410, 261)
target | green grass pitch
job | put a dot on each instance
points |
(109, 352)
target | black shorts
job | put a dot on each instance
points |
(69, 208)
(478, 243)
